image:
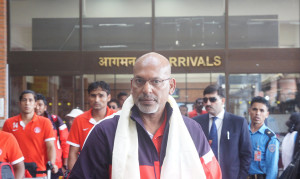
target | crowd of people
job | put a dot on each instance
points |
(146, 134)
(34, 137)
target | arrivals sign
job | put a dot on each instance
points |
(181, 61)
(116, 61)
(196, 61)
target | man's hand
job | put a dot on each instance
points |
(54, 169)
(64, 169)
(73, 155)
(65, 165)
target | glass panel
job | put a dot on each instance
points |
(65, 95)
(87, 79)
(109, 79)
(17, 85)
(117, 25)
(180, 93)
(58, 90)
(192, 24)
(282, 91)
(197, 82)
(78, 98)
(44, 25)
(123, 84)
(264, 24)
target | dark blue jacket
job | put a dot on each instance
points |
(235, 152)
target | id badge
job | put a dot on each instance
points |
(257, 156)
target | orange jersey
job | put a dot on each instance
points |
(32, 138)
(61, 146)
(81, 127)
(9, 149)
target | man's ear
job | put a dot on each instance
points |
(172, 86)
(130, 86)
(108, 97)
(268, 114)
(223, 100)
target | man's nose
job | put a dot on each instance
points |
(207, 103)
(147, 88)
(98, 98)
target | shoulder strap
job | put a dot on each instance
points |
(270, 134)
(297, 143)
(55, 120)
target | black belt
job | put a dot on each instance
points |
(257, 176)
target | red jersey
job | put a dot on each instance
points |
(61, 134)
(157, 141)
(9, 149)
(82, 125)
(32, 138)
(194, 113)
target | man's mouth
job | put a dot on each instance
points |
(147, 100)
(207, 107)
(97, 104)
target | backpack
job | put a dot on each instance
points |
(6, 171)
(31, 168)
(292, 171)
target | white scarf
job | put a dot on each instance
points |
(181, 160)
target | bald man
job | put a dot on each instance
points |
(149, 138)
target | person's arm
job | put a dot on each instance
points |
(208, 160)
(94, 160)
(15, 156)
(65, 165)
(6, 127)
(73, 140)
(63, 136)
(211, 166)
(19, 170)
(244, 150)
(73, 155)
(272, 157)
(51, 154)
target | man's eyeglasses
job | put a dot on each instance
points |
(157, 83)
(211, 99)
